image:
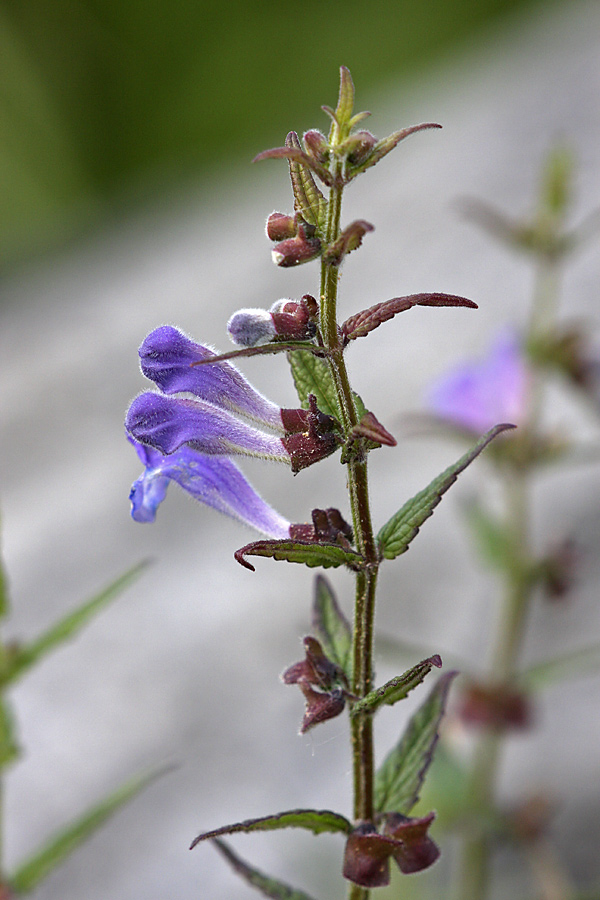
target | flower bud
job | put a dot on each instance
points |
(296, 250)
(280, 226)
(359, 146)
(316, 145)
(251, 327)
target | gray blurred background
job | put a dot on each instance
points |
(129, 202)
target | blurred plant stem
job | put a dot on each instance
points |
(519, 587)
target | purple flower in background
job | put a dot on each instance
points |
(213, 480)
(478, 395)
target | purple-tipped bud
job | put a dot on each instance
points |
(316, 145)
(286, 319)
(251, 327)
(280, 226)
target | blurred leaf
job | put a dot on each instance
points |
(312, 376)
(269, 887)
(315, 820)
(27, 656)
(493, 540)
(446, 788)
(331, 626)
(397, 688)
(34, 870)
(9, 748)
(305, 552)
(399, 778)
(585, 661)
(396, 535)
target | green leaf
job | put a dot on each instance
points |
(9, 748)
(305, 552)
(446, 788)
(269, 887)
(315, 820)
(59, 848)
(397, 688)
(27, 656)
(331, 626)
(309, 202)
(401, 774)
(312, 376)
(396, 535)
(569, 665)
(493, 540)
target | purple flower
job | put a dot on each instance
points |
(213, 480)
(221, 421)
(478, 395)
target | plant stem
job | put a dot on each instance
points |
(475, 862)
(366, 580)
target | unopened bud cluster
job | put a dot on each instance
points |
(284, 320)
(297, 240)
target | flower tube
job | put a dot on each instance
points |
(213, 480)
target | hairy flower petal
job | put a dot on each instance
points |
(166, 357)
(213, 480)
(166, 423)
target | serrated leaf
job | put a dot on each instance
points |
(312, 376)
(369, 319)
(397, 688)
(268, 886)
(332, 627)
(34, 870)
(296, 156)
(584, 661)
(24, 657)
(305, 552)
(315, 820)
(396, 535)
(309, 202)
(401, 774)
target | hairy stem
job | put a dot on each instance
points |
(358, 487)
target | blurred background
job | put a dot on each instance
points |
(127, 200)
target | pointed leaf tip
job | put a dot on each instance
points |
(316, 820)
(396, 535)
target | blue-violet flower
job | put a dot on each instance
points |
(214, 480)
(479, 395)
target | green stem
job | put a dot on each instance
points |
(358, 487)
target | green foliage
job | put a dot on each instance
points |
(316, 820)
(401, 774)
(311, 375)
(24, 657)
(397, 688)
(35, 869)
(332, 627)
(396, 535)
(585, 661)
(307, 553)
(269, 887)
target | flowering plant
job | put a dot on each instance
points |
(204, 412)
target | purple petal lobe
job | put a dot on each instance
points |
(481, 394)
(166, 357)
(213, 480)
(166, 423)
